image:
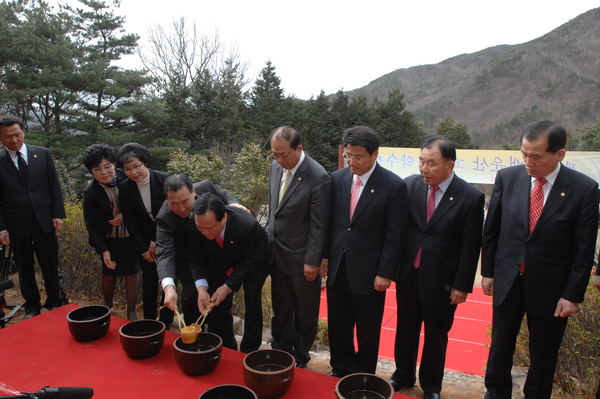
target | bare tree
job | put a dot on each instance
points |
(176, 57)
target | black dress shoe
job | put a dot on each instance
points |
(397, 385)
(338, 374)
(57, 304)
(431, 395)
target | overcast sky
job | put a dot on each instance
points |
(345, 44)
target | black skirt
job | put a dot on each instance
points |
(122, 251)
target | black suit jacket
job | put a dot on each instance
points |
(558, 253)
(244, 250)
(141, 227)
(97, 212)
(172, 233)
(42, 193)
(450, 242)
(298, 225)
(372, 241)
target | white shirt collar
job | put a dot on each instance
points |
(22, 150)
(365, 176)
(295, 168)
(446, 183)
(551, 177)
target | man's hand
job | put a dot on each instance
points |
(108, 262)
(487, 284)
(4, 238)
(565, 308)
(381, 283)
(220, 295)
(240, 206)
(57, 223)
(170, 297)
(324, 267)
(117, 220)
(203, 299)
(596, 278)
(457, 296)
(311, 272)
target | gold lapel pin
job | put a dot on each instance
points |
(372, 191)
(562, 194)
(35, 156)
(299, 179)
(231, 242)
(451, 198)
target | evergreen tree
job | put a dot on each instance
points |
(101, 41)
(397, 126)
(456, 133)
(266, 100)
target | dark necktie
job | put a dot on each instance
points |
(23, 168)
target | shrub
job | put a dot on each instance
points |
(579, 358)
(79, 263)
(197, 167)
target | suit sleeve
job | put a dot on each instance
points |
(125, 202)
(320, 206)
(254, 248)
(91, 215)
(165, 247)
(584, 247)
(58, 205)
(491, 229)
(198, 263)
(395, 230)
(470, 246)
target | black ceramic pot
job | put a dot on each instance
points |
(228, 392)
(363, 386)
(89, 322)
(201, 357)
(142, 339)
(269, 372)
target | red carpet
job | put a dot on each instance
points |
(40, 351)
(468, 339)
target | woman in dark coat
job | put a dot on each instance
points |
(104, 221)
(141, 197)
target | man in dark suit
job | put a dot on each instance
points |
(173, 222)
(32, 212)
(368, 227)
(538, 249)
(444, 237)
(299, 192)
(228, 245)
(173, 225)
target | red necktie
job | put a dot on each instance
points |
(536, 205)
(430, 209)
(219, 241)
(355, 195)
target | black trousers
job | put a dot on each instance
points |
(411, 314)
(347, 310)
(220, 319)
(150, 290)
(253, 316)
(295, 313)
(45, 247)
(545, 336)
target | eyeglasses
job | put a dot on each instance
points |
(357, 158)
(134, 168)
